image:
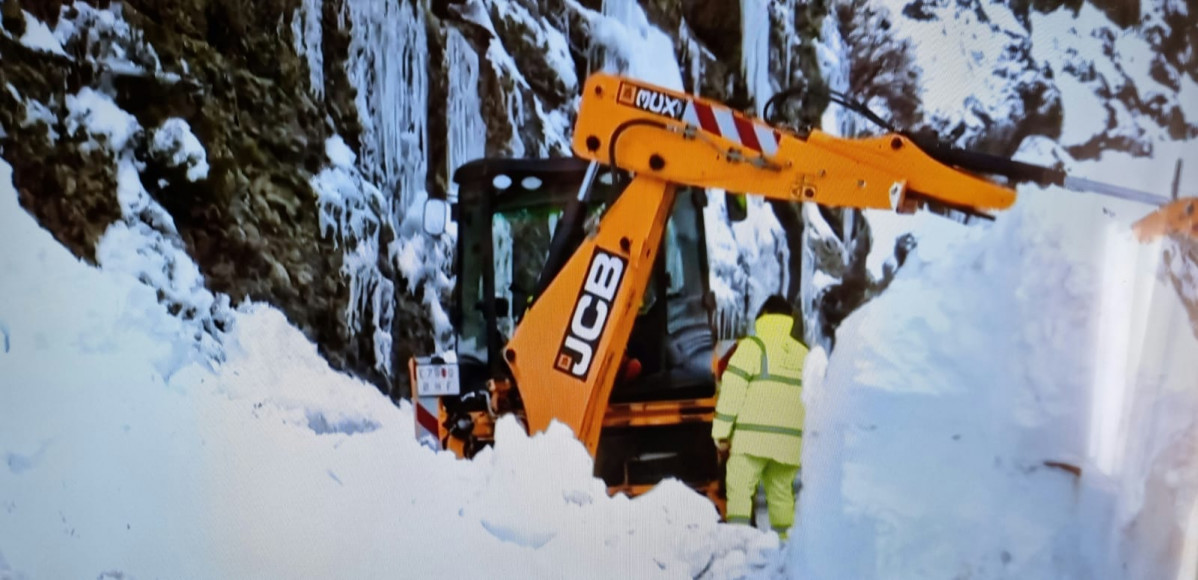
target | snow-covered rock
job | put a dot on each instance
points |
(178, 147)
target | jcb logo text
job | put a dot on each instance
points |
(591, 313)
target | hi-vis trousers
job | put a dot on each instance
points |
(743, 472)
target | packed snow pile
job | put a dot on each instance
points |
(121, 458)
(1019, 403)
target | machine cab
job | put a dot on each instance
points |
(518, 221)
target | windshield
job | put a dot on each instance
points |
(521, 240)
(516, 248)
(508, 248)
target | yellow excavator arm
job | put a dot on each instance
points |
(568, 350)
(688, 140)
(570, 347)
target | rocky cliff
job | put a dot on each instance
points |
(279, 151)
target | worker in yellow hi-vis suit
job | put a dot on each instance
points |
(759, 417)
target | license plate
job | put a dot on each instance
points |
(437, 380)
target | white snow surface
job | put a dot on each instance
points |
(38, 36)
(109, 42)
(144, 243)
(1187, 98)
(998, 352)
(96, 114)
(544, 36)
(1094, 62)
(38, 113)
(273, 465)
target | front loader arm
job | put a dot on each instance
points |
(688, 140)
(568, 349)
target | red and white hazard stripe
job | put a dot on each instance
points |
(427, 432)
(732, 126)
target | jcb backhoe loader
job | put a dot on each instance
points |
(583, 297)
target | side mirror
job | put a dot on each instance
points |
(436, 214)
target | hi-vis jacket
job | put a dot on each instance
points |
(760, 404)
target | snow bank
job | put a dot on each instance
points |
(116, 461)
(958, 404)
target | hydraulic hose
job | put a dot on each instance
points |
(615, 137)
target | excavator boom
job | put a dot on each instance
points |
(569, 348)
(688, 140)
(573, 346)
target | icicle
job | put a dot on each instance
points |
(755, 50)
(351, 210)
(467, 130)
(306, 35)
(694, 54)
(388, 65)
(833, 58)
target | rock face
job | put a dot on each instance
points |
(324, 124)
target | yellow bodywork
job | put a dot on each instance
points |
(569, 348)
(864, 173)
(663, 152)
(1179, 217)
(630, 232)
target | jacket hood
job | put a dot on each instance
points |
(774, 325)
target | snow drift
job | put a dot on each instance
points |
(1019, 403)
(123, 457)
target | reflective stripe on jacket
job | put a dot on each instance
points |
(760, 404)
